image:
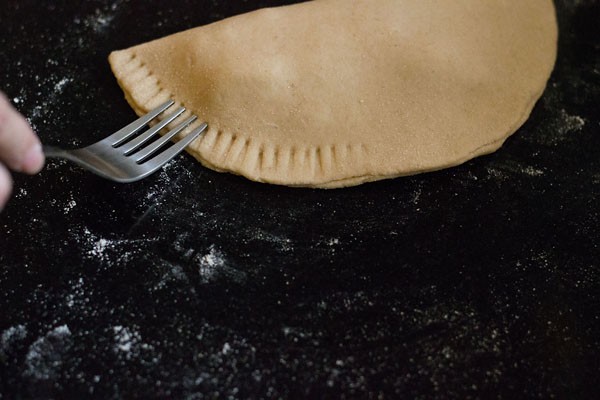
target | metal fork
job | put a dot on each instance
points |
(121, 158)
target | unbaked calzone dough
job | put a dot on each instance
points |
(332, 93)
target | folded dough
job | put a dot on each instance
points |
(332, 93)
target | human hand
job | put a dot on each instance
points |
(20, 148)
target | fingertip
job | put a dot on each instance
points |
(5, 186)
(33, 161)
(20, 148)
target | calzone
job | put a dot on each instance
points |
(332, 93)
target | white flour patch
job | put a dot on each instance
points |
(100, 20)
(43, 109)
(179, 243)
(570, 123)
(333, 242)
(11, 336)
(70, 205)
(59, 86)
(126, 339)
(128, 342)
(560, 127)
(416, 196)
(284, 244)
(34, 117)
(532, 171)
(223, 357)
(214, 265)
(77, 295)
(226, 349)
(21, 193)
(501, 171)
(496, 174)
(166, 184)
(105, 249)
(173, 274)
(45, 356)
(210, 264)
(98, 246)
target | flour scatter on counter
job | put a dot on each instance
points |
(41, 106)
(570, 123)
(164, 185)
(11, 336)
(561, 124)
(214, 265)
(97, 245)
(70, 205)
(101, 20)
(209, 264)
(76, 298)
(45, 356)
(110, 251)
(283, 243)
(128, 341)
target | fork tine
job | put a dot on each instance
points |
(125, 133)
(172, 151)
(133, 145)
(143, 154)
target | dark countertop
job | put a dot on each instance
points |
(481, 281)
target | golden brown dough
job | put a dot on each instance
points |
(332, 93)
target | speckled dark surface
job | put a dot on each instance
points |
(481, 281)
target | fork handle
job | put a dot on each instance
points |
(57, 152)
(52, 151)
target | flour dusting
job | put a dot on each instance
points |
(570, 123)
(501, 171)
(104, 249)
(531, 171)
(70, 205)
(285, 244)
(11, 336)
(128, 342)
(560, 127)
(333, 242)
(214, 265)
(59, 86)
(209, 264)
(42, 110)
(100, 20)
(126, 339)
(97, 246)
(45, 356)
(77, 295)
